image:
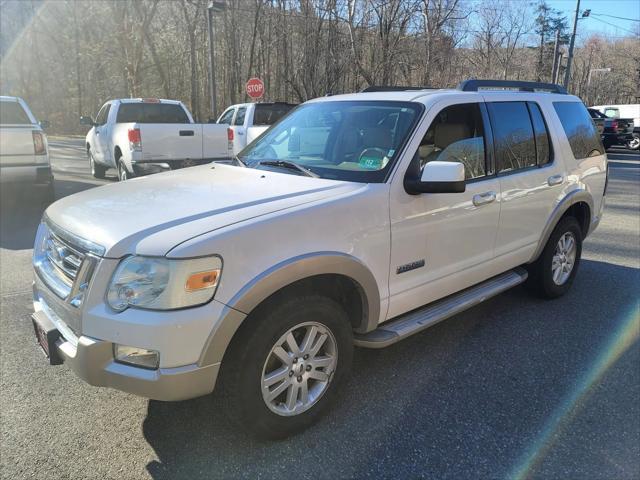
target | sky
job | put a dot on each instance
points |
(601, 20)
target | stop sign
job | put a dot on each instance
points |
(255, 88)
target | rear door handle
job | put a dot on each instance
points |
(186, 133)
(555, 180)
(484, 198)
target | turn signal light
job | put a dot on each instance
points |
(230, 134)
(200, 280)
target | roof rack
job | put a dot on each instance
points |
(475, 85)
(389, 88)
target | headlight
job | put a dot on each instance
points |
(163, 284)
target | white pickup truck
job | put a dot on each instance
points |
(247, 121)
(139, 136)
(24, 151)
(356, 220)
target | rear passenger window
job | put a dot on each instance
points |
(543, 150)
(513, 138)
(456, 135)
(239, 120)
(579, 128)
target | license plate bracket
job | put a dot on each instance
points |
(46, 336)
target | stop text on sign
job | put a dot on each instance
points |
(255, 88)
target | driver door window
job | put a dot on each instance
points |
(456, 135)
(101, 119)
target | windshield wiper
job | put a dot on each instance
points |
(289, 165)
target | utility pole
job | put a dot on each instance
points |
(216, 6)
(555, 57)
(567, 72)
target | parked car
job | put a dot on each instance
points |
(625, 125)
(139, 136)
(247, 121)
(358, 219)
(24, 150)
(599, 119)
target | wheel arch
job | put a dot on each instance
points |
(330, 273)
(577, 203)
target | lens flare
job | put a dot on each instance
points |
(623, 338)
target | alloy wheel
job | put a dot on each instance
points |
(564, 258)
(299, 368)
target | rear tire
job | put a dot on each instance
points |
(273, 390)
(98, 171)
(552, 274)
(123, 173)
(635, 143)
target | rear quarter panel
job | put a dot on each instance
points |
(588, 174)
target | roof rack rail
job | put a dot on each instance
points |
(389, 88)
(475, 85)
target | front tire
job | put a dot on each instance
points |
(552, 274)
(634, 144)
(286, 365)
(98, 171)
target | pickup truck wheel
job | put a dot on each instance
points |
(123, 173)
(98, 171)
(286, 365)
(552, 274)
(634, 144)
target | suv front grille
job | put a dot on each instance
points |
(64, 267)
(64, 258)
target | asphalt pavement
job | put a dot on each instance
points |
(515, 388)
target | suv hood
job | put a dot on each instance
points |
(151, 215)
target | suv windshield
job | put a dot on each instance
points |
(151, 113)
(356, 141)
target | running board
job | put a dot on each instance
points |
(413, 322)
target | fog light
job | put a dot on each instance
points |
(138, 357)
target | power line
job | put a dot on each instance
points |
(616, 26)
(613, 16)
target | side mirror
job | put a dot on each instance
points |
(437, 177)
(44, 124)
(86, 120)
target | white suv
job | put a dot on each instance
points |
(356, 220)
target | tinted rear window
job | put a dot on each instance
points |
(515, 146)
(580, 130)
(151, 113)
(13, 113)
(267, 114)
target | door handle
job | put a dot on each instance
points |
(484, 198)
(240, 133)
(186, 133)
(555, 180)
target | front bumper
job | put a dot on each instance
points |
(92, 360)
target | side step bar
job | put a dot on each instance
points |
(413, 322)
